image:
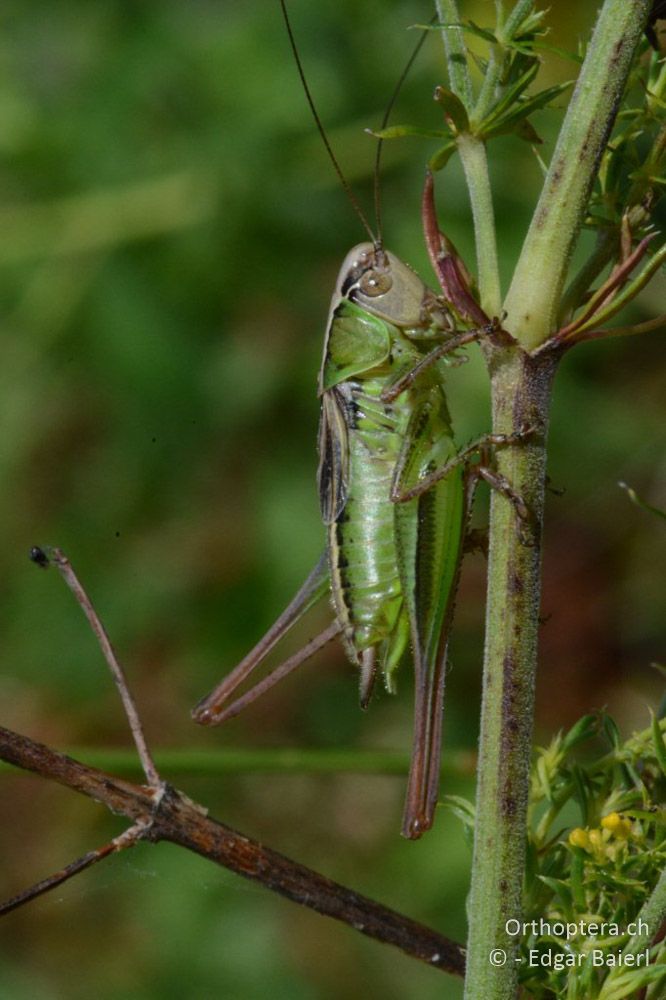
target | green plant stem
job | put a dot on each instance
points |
(488, 92)
(516, 16)
(533, 299)
(521, 389)
(475, 164)
(504, 32)
(456, 52)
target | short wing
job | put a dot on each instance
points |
(333, 471)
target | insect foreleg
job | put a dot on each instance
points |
(454, 278)
(393, 390)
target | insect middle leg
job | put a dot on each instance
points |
(481, 446)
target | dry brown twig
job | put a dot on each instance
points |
(160, 812)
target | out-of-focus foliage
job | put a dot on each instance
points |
(171, 232)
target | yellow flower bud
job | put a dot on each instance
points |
(579, 838)
(618, 825)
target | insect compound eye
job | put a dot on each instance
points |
(374, 283)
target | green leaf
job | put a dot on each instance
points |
(627, 984)
(560, 889)
(653, 815)
(577, 880)
(480, 32)
(399, 131)
(525, 130)
(523, 19)
(537, 46)
(659, 745)
(636, 499)
(610, 731)
(513, 91)
(542, 774)
(581, 792)
(439, 159)
(454, 109)
(510, 121)
(469, 26)
(629, 291)
(632, 774)
(584, 729)
(460, 807)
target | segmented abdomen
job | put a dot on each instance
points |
(364, 573)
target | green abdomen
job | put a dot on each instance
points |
(363, 561)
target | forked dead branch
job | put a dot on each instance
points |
(159, 812)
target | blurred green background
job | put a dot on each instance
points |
(171, 233)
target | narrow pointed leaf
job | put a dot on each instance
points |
(442, 156)
(525, 130)
(610, 731)
(512, 93)
(630, 291)
(537, 46)
(469, 26)
(636, 499)
(510, 121)
(399, 131)
(659, 745)
(454, 109)
(582, 730)
(460, 807)
(480, 32)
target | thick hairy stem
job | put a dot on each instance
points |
(521, 396)
(534, 296)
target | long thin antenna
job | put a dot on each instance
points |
(385, 119)
(343, 180)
